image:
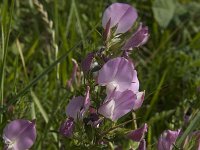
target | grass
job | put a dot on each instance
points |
(35, 60)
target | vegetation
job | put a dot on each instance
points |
(39, 39)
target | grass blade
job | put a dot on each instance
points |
(155, 96)
(42, 111)
(5, 39)
(193, 124)
(46, 71)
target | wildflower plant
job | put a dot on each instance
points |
(103, 94)
(112, 86)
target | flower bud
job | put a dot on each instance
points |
(86, 63)
(67, 127)
(142, 145)
(167, 139)
(138, 134)
(139, 38)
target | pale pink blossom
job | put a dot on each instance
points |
(167, 140)
(118, 104)
(138, 134)
(121, 15)
(138, 39)
(78, 106)
(19, 134)
(118, 74)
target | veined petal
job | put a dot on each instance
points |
(117, 106)
(163, 144)
(78, 106)
(107, 109)
(167, 139)
(74, 107)
(20, 134)
(138, 134)
(87, 98)
(139, 100)
(122, 15)
(135, 82)
(124, 104)
(108, 71)
(172, 135)
(67, 127)
(86, 63)
(139, 38)
(116, 73)
(142, 145)
(127, 20)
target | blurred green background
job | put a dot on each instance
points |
(34, 34)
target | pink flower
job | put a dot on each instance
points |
(118, 74)
(121, 15)
(139, 38)
(19, 134)
(86, 63)
(78, 106)
(135, 82)
(142, 145)
(167, 139)
(138, 134)
(139, 100)
(67, 127)
(118, 104)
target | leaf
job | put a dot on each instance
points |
(163, 11)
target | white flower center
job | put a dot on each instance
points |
(8, 142)
(113, 85)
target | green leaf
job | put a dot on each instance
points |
(163, 11)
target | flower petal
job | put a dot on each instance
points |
(118, 105)
(163, 144)
(142, 145)
(21, 134)
(107, 109)
(74, 107)
(172, 135)
(108, 71)
(139, 100)
(127, 21)
(78, 106)
(86, 63)
(67, 127)
(139, 38)
(167, 139)
(135, 82)
(116, 73)
(122, 14)
(138, 134)
(87, 98)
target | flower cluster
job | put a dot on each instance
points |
(111, 70)
(112, 90)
